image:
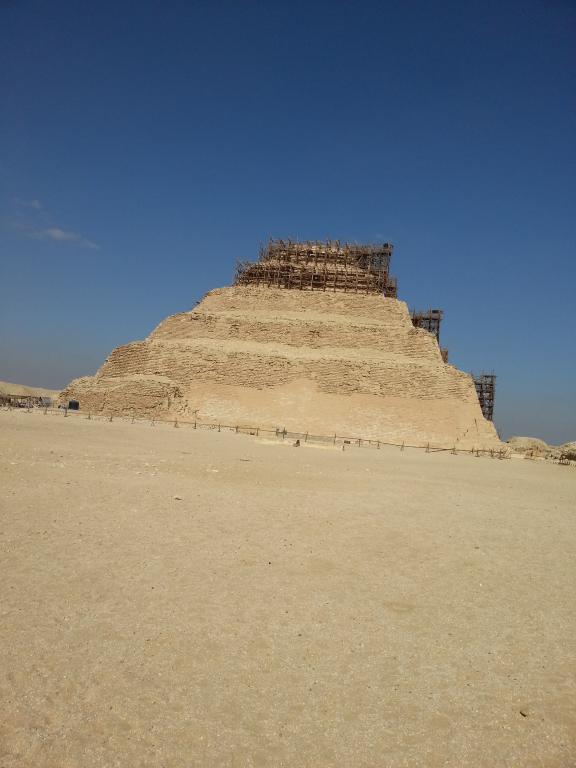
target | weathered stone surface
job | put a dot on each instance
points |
(325, 363)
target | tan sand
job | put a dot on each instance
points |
(293, 607)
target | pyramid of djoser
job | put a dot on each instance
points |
(311, 337)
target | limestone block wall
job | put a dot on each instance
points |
(330, 362)
(138, 394)
(303, 333)
(238, 364)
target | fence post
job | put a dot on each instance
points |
(402, 446)
(194, 423)
(175, 422)
(257, 431)
(110, 419)
(306, 438)
(152, 423)
(378, 445)
(427, 447)
(89, 414)
(65, 411)
(218, 427)
(454, 450)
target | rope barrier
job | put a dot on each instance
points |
(283, 433)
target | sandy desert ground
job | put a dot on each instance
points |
(183, 598)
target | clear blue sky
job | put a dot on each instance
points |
(144, 146)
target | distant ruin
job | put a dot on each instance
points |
(310, 337)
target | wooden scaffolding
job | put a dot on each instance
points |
(429, 320)
(321, 266)
(485, 384)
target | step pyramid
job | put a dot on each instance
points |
(345, 361)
